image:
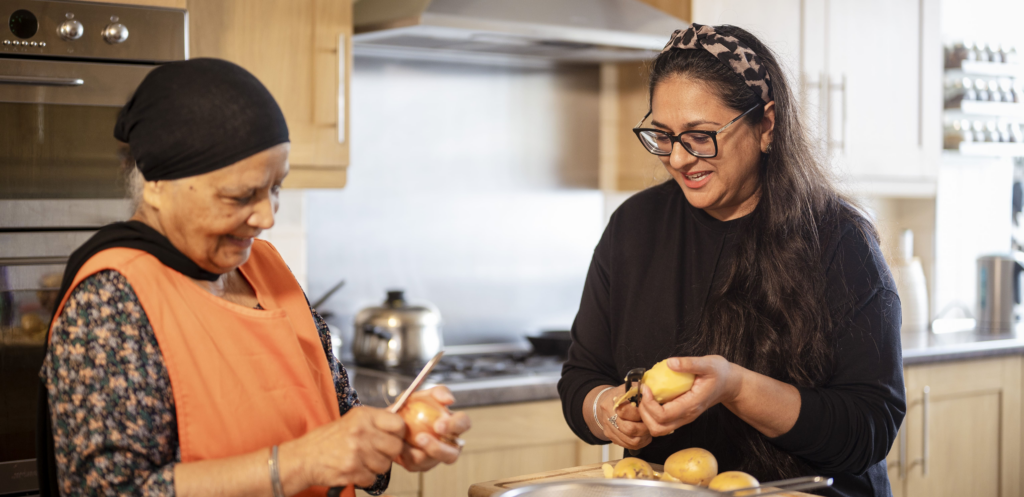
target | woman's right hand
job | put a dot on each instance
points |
(631, 433)
(350, 451)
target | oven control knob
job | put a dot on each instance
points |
(70, 30)
(115, 33)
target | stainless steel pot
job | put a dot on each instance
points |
(396, 334)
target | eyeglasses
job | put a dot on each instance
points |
(700, 143)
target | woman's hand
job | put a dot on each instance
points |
(429, 451)
(717, 381)
(350, 451)
(631, 432)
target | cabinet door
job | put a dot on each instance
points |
(775, 22)
(299, 50)
(964, 429)
(867, 88)
(507, 441)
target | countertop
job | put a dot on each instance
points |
(926, 347)
(378, 389)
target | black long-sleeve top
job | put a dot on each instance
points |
(646, 288)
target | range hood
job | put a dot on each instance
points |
(527, 32)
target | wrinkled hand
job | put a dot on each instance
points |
(717, 381)
(352, 450)
(631, 433)
(429, 451)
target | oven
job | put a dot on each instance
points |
(66, 69)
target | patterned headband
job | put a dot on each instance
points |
(731, 51)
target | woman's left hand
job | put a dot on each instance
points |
(717, 381)
(429, 451)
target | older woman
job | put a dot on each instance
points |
(184, 357)
(748, 270)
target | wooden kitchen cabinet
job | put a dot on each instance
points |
(505, 441)
(623, 164)
(301, 51)
(510, 440)
(962, 430)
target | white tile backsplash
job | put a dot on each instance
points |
(289, 234)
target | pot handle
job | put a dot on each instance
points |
(378, 331)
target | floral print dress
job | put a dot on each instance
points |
(110, 397)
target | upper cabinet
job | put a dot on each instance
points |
(867, 75)
(299, 49)
(871, 76)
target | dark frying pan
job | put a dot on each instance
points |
(551, 343)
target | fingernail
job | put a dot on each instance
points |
(673, 363)
(422, 439)
(440, 426)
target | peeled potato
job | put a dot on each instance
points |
(666, 384)
(633, 469)
(609, 471)
(694, 466)
(733, 480)
(626, 396)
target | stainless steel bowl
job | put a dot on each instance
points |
(648, 488)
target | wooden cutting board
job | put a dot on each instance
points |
(494, 487)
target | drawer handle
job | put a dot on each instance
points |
(41, 81)
(924, 443)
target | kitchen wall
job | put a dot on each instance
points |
(973, 198)
(470, 187)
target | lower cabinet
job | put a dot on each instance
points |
(506, 440)
(962, 433)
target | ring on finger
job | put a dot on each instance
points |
(613, 419)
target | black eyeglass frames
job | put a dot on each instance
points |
(698, 142)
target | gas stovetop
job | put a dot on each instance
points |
(479, 362)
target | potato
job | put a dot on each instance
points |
(694, 466)
(733, 480)
(608, 470)
(633, 468)
(666, 384)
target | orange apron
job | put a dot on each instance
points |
(243, 379)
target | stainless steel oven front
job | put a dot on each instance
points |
(66, 69)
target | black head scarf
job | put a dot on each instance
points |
(192, 117)
(185, 119)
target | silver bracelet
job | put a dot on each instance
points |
(596, 399)
(275, 473)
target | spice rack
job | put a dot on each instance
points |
(984, 100)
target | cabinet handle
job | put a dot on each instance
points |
(924, 425)
(40, 81)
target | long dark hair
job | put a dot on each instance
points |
(770, 313)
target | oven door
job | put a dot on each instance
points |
(27, 295)
(60, 165)
(31, 267)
